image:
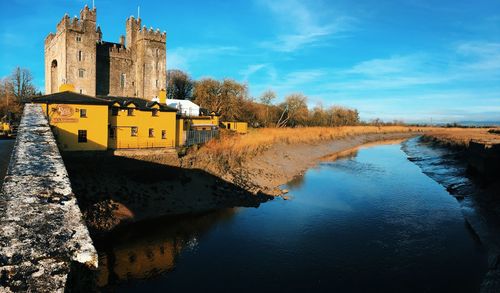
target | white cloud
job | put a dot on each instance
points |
(304, 27)
(251, 69)
(182, 58)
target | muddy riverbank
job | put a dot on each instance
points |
(132, 187)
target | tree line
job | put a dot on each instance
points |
(232, 100)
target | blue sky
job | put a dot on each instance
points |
(406, 59)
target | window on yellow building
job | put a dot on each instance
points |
(114, 111)
(163, 134)
(83, 113)
(82, 136)
(151, 132)
(154, 112)
(130, 112)
(133, 131)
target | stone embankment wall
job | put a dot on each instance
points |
(42, 234)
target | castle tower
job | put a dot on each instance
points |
(70, 53)
(149, 53)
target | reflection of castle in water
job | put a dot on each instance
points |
(146, 250)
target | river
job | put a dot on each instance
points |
(371, 221)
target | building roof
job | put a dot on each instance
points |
(68, 97)
(141, 104)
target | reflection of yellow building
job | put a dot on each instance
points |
(138, 123)
(79, 122)
(239, 127)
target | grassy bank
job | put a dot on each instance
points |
(460, 137)
(231, 150)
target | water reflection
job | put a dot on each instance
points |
(148, 249)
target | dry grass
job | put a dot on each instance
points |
(231, 150)
(462, 136)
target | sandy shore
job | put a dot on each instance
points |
(135, 186)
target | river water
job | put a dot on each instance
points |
(369, 222)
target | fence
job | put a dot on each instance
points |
(200, 136)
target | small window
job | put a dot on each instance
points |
(156, 82)
(81, 73)
(82, 136)
(80, 54)
(154, 112)
(130, 112)
(157, 66)
(114, 111)
(81, 91)
(112, 132)
(151, 132)
(83, 113)
(122, 80)
(133, 131)
(157, 52)
(78, 39)
(163, 134)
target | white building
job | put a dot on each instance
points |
(184, 107)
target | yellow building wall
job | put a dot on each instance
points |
(143, 120)
(66, 121)
(239, 127)
(179, 138)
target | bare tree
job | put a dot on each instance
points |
(267, 98)
(227, 97)
(21, 84)
(179, 85)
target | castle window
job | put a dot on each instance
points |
(78, 38)
(156, 82)
(130, 112)
(157, 52)
(83, 113)
(133, 131)
(154, 112)
(151, 132)
(163, 134)
(114, 111)
(81, 72)
(82, 136)
(122, 80)
(80, 55)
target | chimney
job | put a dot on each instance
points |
(122, 40)
(163, 96)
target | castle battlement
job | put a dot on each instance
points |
(119, 52)
(151, 35)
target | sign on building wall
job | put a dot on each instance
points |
(64, 114)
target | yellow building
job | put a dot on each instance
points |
(239, 127)
(186, 125)
(79, 122)
(138, 123)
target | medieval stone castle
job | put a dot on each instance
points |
(76, 55)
